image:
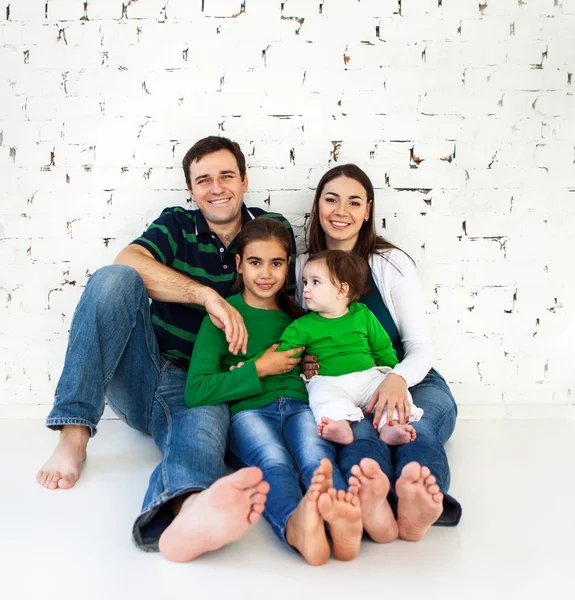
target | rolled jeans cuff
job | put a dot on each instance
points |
(156, 518)
(56, 424)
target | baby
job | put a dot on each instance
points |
(352, 348)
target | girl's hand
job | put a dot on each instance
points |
(276, 363)
(390, 395)
(309, 366)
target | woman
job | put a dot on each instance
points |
(342, 218)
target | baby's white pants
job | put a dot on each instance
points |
(344, 397)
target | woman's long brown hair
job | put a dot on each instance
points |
(264, 229)
(368, 242)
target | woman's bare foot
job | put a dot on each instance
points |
(335, 431)
(62, 469)
(215, 517)
(305, 529)
(342, 512)
(373, 485)
(397, 435)
(420, 501)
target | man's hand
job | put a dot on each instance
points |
(391, 394)
(309, 366)
(276, 363)
(226, 317)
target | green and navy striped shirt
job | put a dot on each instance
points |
(182, 240)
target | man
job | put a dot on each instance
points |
(137, 357)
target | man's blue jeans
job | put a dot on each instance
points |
(281, 439)
(433, 430)
(112, 352)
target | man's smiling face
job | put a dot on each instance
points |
(217, 188)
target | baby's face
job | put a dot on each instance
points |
(319, 293)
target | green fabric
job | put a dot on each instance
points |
(354, 342)
(210, 380)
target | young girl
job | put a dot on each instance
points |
(272, 425)
(348, 341)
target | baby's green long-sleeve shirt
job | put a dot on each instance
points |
(210, 380)
(354, 342)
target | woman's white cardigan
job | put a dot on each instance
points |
(398, 284)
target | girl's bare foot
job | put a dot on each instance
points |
(342, 512)
(335, 431)
(215, 517)
(373, 485)
(397, 435)
(305, 529)
(62, 469)
(420, 501)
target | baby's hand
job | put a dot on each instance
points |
(240, 364)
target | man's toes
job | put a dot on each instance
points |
(353, 490)
(341, 495)
(254, 517)
(66, 482)
(246, 478)
(425, 472)
(430, 480)
(263, 487)
(258, 498)
(433, 489)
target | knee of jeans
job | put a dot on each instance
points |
(114, 281)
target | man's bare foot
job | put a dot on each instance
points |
(373, 485)
(62, 469)
(305, 529)
(397, 435)
(215, 517)
(335, 431)
(342, 512)
(420, 501)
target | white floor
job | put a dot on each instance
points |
(515, 479)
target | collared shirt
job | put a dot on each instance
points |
(181, 239)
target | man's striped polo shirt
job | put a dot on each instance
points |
(181, 239)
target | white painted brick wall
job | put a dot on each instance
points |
(462, 112)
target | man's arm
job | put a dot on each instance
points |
(167, 285)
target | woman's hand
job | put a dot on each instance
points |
(390, 395)
(276, 363)
(309, 366)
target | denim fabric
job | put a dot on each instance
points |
(112, 352)
(433, 430)
(281, 439)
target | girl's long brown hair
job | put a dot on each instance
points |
(263, 229)
(368, 242)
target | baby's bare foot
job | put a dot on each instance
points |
(215, 517)
(397, 435)
(305, 529)
(335, 431)
(342, 512)
(420, 502)
(373, 485)
(62, 469)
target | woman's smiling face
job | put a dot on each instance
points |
(343, 207)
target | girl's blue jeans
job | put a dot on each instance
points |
(281, 439)
(112, 353)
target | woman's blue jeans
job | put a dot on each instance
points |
(112, 352)
(281, 439)
(433, 430)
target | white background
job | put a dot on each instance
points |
(461, 112)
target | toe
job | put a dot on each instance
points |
(370, 467)
(66, 482)
(258, 498)
(425, 472)
(246, 478)
(430, 480)
(433, 489)
(354, 481)
(411, 472)
(254, 517)
(353, 490)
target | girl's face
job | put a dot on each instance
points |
(343, 208)
(264, 268)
